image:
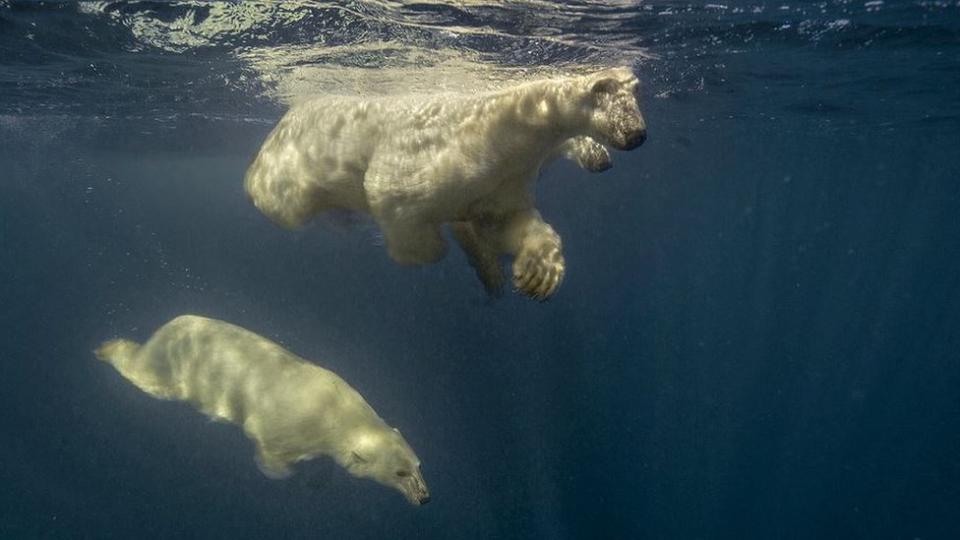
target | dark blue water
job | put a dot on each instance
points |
(757, 336)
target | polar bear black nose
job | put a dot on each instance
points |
(424, 499)
(636, 139)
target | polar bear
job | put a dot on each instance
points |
(416, 163)
(292, 410)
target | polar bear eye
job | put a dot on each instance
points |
(403, 474)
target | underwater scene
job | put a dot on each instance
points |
(482, 270)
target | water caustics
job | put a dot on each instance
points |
(228, 59)
(281, 50)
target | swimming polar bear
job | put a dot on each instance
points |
(292, 410)
(418, 162)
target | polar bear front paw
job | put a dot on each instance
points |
(538, 270)
(594, 157)
(587, 153)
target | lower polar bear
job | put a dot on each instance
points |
(418, 162)
(293, 410)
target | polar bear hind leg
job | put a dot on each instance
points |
(481, 256)
(538, 265)
(271, 466)
(414, 243)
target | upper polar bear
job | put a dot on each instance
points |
(293, 410)
(417, 162)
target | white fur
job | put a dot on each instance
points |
(417, 162)
(292, 410)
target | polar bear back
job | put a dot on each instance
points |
(232, 374)
(423, 153)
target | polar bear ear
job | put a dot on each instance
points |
(358, 457)
(612, 80)
(604, 85)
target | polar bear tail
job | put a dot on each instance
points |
(124, 356)
(116, 351)
(121, 354)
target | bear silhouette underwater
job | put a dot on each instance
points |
(293, 410)
(418, 162)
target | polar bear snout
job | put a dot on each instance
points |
(616, 119)
(627, 132)
(629, 129)
(415, 489)
(635, 139)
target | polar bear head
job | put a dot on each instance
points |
(614, 114)
(383, 455)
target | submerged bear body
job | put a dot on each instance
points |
(293, 410)
(416, 163)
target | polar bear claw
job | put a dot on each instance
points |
(538, 271)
